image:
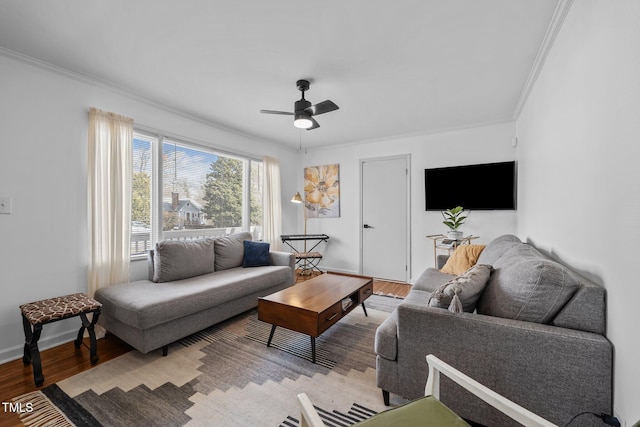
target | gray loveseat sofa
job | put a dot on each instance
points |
(536, 335)
(192, 285)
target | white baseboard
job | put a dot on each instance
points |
(15, 353)
(412, 280)
(338, 270)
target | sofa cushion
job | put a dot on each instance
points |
(496, 248)
(145, 304)
(527, 286)
(463, 258)
(230, 250)
(430, 279)
(256, 254)
(180, 259)
(586, 310)
(417, 297)
(468, 286)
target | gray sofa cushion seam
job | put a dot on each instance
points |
(535, 289)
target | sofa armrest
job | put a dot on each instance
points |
(286, 259)
(551, 370)
(386, 339)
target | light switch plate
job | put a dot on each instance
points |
(5, 205)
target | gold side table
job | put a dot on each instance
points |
(444, 243)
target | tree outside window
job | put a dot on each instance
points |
(223, 193)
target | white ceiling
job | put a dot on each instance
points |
(394, 67)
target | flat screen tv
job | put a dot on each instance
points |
(488, 186)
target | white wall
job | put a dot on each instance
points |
(43, 166)
(468, 146)
(578, 153)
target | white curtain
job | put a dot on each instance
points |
(272, 203)
(109, 198)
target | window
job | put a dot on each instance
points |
(203, 193)
(141, 205)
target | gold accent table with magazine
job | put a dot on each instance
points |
(442, 242)
(313, 306)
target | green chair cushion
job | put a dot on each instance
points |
(426, 411)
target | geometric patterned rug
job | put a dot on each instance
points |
(227, 376)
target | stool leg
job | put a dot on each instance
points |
(31, 351)
(28, 334)
(78, 341)
(92, 337)
(90, 327)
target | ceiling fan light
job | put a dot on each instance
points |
(302, 121)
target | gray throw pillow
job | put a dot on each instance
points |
(180, 259)
(230, 250)
(527, 286)
(467, 287)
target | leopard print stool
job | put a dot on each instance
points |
(36, 314)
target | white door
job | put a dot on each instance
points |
(384, 222)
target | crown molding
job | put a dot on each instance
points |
(130, 93)
(558, 18)
(408, 135)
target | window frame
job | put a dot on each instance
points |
(159, 138)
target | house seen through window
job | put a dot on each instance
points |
(198, 193)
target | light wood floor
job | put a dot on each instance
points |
(65, 360)
(380, 286)
(58, 363)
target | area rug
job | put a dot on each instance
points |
(227, 376)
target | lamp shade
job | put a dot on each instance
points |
(297, 198)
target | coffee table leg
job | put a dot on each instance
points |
(365, 310)
(313, 350)
(273, 329)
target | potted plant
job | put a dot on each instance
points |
(454, 218)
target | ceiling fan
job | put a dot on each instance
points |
(303, 111)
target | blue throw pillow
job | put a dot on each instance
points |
(256, 254)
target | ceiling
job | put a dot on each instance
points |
(394, 67)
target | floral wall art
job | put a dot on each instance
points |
(322, 191)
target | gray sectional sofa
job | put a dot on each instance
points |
(536, 335)
(193, 285)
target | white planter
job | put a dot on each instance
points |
(454, 235)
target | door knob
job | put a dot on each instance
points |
(367, 226)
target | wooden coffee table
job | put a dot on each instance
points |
(313, 306)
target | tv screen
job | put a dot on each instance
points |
(489, 186)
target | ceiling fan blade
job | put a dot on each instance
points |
(314, 125)
(321, 108)
(284, 113)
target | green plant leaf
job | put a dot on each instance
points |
(453, 218)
